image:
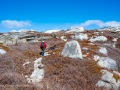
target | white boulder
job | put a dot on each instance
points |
(101, 83)
(96, 57)
(103, 50)
(80, 36)
(72, 49)
(2, 51)
(99, 38)
(107, 62)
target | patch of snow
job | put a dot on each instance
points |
(63, 38)
(38, 73)
(80, 36)
(103, 50)
(51, 31)
(2, 51)
(78, 29)
(26, 63)
(99, 38)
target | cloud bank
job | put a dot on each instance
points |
(14, 23)
(100, 23)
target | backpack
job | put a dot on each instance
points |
(42, 45)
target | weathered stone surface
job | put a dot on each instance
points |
(72, 49)
(107, 63)
(109, 81)
(14, 38)
(80, 36)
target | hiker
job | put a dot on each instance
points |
(43, 47)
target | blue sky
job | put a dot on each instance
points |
(58, 14)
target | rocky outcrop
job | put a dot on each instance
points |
(14, 38)
(98, 38)
(112, 29)
(38, 73)
(44, 38)
(80, 36)
(110, 80)
(72, 49)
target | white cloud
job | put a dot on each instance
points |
(100, 23)
(14, 23)
(112, 23)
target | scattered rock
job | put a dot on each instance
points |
(38, 73)
(80, 36)
(63, 38)
(109, 80)
(99, 38)
(72, 49)
(103, 50)
(2, 51)
(107, 62)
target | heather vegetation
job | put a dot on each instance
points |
(60, 73)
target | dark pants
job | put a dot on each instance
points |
(42, 53)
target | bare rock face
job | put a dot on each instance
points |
(72, 49)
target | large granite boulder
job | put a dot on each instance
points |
(72, 49)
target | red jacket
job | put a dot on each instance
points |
(44, 45)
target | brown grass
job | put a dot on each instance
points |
(61, 73)
(109, 38)
(70, 74)
(5, 47)
(31, 54)
(116, 76)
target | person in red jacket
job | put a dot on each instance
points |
(43, 47)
